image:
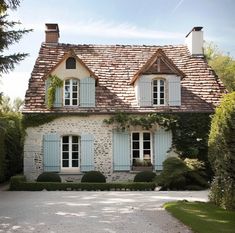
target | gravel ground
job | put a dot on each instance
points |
(88, 212)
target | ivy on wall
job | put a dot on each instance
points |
(54, 82)
(190, 130)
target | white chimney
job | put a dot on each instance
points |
(194, 41)
(52, 33)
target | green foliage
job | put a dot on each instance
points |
(222, 153)
(9, 36)
(48, 177)
(11, 144)
(22, 185)
(145, 176)
(202, 217)
(55, 82)
(16, 181)
(223, 65)
(93, 177)
(182, 175)
(7, 106)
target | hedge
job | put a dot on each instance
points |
(18, 184)
(222, 153)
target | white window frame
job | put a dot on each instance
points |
(158, 91)
(71, 92)
(70, 168)
(141, 149)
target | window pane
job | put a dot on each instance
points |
(65, 147)
(162, 89)
(65, 163)
(66, 139)
(161, 101)
(155, 88)
(75, 139)
(67, 82)
(147, 154)
(155, 101)
(75, 88)
(161, 82)
(146, 145)
(75, 102)
(65, 155)
(135, 136)
(155, 82)
(75, 147)
(75, 82)
(75, 95)
(146, 136)
(135, 145)
(136, 154)
(71, 63)
(75, 155)
(155, 95)
(162, 95)
(67, 102)
(75, 163)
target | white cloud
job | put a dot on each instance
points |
(15, 84)
(104, 29)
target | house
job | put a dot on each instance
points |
(99, 80)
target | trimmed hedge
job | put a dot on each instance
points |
(145, 176)
(222, 153)
(19, 184)
(93, 177)
(48, 177)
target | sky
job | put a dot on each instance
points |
(150, 22)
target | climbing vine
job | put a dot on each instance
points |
(190, 130)
(54, 82)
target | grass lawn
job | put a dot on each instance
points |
(203, 217)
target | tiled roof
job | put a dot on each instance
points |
(115, 66)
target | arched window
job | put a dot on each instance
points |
(71, 63)
(70, 151)
(158, 92)
(71, 87)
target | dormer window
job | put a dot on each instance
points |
(158, 92)
(71, 63)
(71, 87)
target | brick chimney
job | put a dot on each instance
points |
(194, 41)
(52, 33)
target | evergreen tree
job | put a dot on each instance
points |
(9, 36)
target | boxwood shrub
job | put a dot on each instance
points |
(144, 176)
(48, 177)
(93, 177)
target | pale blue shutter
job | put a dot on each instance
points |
(145, 91)
(87, 92)
(121, 151)
(51, 153)
(47, 84)
(162, 144)
(87, 152)
(58, 97)
(174, 91)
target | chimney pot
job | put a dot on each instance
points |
(194, 41)
(52, 33)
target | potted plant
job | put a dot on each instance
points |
(142, 165)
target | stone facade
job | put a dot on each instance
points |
(33, 150)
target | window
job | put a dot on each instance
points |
(141, 147)
(70, 151)
(71, 92)
(158, 92)
(71, 63)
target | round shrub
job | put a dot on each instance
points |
(93, 177)
(145, 176)
(48, 177)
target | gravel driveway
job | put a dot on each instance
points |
(93, 212)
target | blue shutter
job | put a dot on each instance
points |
(174, 91)
(145, 91)
(162, 144)
(121, 151)
(87, 152)
(47, 84)
(51, 153)
(87, 92)
(58, 97)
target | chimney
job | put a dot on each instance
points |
(194, 41)
(52, 33)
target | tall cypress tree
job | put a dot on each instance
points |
(9, 36)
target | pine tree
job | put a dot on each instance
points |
(9, 36)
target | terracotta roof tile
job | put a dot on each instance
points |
(115, 67)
